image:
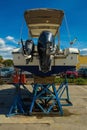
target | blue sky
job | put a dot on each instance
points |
(12, 18)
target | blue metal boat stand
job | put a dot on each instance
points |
(47, 97)
(17, 106)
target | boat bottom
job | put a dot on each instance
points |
(54, 70)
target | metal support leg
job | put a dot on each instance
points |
(64, 88)
(17, 106)
(34, 98)
(58, 100)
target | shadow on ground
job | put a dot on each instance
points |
(7, 99)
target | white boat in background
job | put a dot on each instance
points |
(45, 57)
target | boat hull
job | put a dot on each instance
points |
(59, 63)
(54, 70)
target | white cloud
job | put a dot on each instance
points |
(2, 42)
(83, 51)
(6, 52)
(6, 46)
(6, 49)
(11, 39)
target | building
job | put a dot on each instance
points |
(82, 61)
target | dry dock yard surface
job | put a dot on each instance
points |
(75, 117)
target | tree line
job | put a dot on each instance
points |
(6, 62)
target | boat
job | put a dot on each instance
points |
(45, 57)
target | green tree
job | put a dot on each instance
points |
(1, 59)
(8, 62)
